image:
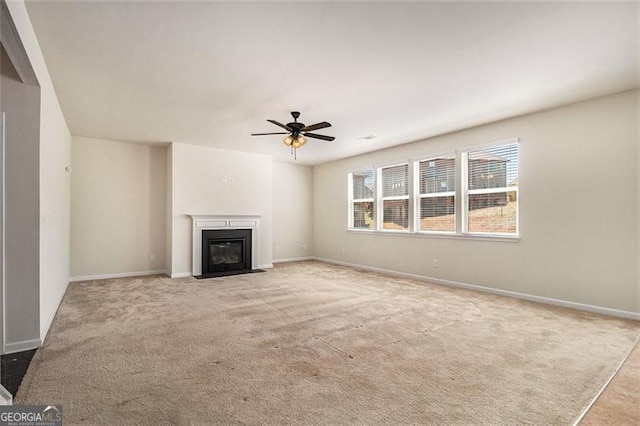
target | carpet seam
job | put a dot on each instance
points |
(606, 384)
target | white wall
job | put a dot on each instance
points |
(579, 223)
(198, 188)
(21, 104)
(118, 208)
(292, 211)
(638, 146)
(168, 251)
(54, 210)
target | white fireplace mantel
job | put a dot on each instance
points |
(203, 222)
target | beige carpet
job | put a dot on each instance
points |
(313, 343)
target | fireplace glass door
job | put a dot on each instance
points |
(225, 252)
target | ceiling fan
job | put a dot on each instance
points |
(298, 132)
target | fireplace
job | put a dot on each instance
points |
(226, 251)
(227, 223)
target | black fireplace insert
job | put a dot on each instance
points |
(226, 252)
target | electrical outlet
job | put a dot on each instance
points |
(344, 250)
(435, 263)
(152, 257)
(304, 246)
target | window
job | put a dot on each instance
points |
(471, 192)
(492, 185)
(395, 197)
(437, 186)
(361, 199)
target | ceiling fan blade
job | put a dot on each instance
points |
(316, 126)
(323, 137)
(281, 125)
(264, 134)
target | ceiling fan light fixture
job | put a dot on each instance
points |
(295, 142)
(295, 139)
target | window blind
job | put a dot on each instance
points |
(362, 184)
(395, 181)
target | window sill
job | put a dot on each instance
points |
(444, 235)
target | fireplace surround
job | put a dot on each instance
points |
(224, 223)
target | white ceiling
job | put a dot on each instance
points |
(211, 73)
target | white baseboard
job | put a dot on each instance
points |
(266, 266)
(539, 299)
(118, 275)
(181, 275)
(24, 345)
(293, 259)
(5, 396)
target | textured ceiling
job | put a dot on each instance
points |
(211, 73)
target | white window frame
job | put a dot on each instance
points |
(361, 200)
(461, 195)
(466, 192)
(380, 199)
(418, 196)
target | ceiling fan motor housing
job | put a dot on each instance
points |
(295, 126)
